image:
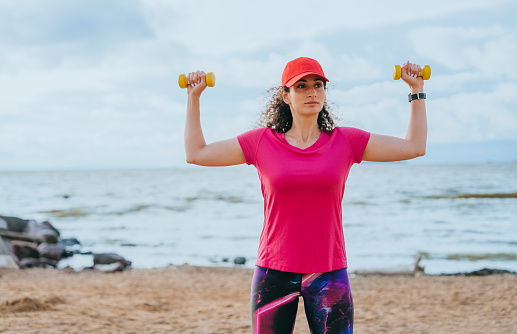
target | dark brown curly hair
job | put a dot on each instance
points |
(278, 117)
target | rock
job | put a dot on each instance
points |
(15, 224)
(4, 248)
(35, 229)
(483, 272)
(37, 263)
(109, 258)
(51, 251)
(69, 242)
(7, 259)
(50, 239)
(3, 224)
(8, 262)
(110, 268)
(67, 253)
(24, 249)
(239, 260)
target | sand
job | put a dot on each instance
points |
(185, 299)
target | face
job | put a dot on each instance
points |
(306, 96)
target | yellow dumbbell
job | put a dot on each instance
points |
(425, 73)
(210, 80)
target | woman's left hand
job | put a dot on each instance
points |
(410, 74)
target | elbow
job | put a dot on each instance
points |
(420, 153)
(191, 161)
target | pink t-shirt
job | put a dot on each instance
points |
(303, 190)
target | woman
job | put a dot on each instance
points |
(303, 162)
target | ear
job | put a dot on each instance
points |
(285, 96)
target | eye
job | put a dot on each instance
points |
(301, 86)
(318, 85)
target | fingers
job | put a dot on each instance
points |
(412, 70)
(196, 78)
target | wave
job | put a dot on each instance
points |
(84, 211)
(68, 213)
(217, 197)
(471, 256)
(483, 256)
(476, 195)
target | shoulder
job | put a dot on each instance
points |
(354, 136)
(349, 131)
(249, 142)
(253, 137)
(255, 132)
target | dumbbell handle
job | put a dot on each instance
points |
(210, 80)
(425, 73)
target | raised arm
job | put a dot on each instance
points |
(222, 153)
(388, 148)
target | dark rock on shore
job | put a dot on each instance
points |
(37, 263)
(26, 243)
(25, 249)
(484, 272)
(109, 258)
(30, 227)
(51, 251)
(69, 242)
(110, 268)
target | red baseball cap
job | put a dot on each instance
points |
(300, 67)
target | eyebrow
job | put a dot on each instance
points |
(303, 80)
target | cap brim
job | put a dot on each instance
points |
(296, 78)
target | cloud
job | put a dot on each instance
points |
(52, 33)
(474, 116)
(228, 27)
(466, 116)
(491, 51)
(381, 112)
(57, 22)
(94, 83)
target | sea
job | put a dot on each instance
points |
(460, 217)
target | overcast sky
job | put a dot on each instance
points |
(93, 84)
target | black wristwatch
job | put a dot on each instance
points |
(417, 96)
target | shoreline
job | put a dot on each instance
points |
(191, 299)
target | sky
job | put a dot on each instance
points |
(93, 84)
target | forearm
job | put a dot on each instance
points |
(194, 139)
(417, 129)
(388, 148)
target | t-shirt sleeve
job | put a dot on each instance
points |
(249, 142)
(358, 139)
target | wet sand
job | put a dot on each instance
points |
(185, 299)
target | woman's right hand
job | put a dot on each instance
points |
(196, 83)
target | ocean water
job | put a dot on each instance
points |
(461, 217)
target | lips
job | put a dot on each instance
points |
(312, 102)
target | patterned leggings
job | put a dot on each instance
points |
(326, 296)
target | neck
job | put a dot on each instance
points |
(304, 132)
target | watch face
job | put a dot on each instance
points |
(417, 96)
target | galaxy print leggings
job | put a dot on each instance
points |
(326, 296)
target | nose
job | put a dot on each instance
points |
(311, 92)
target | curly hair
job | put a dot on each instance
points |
(278, 117)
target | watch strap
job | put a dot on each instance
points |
(416, 96)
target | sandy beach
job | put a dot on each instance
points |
(186, 299)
